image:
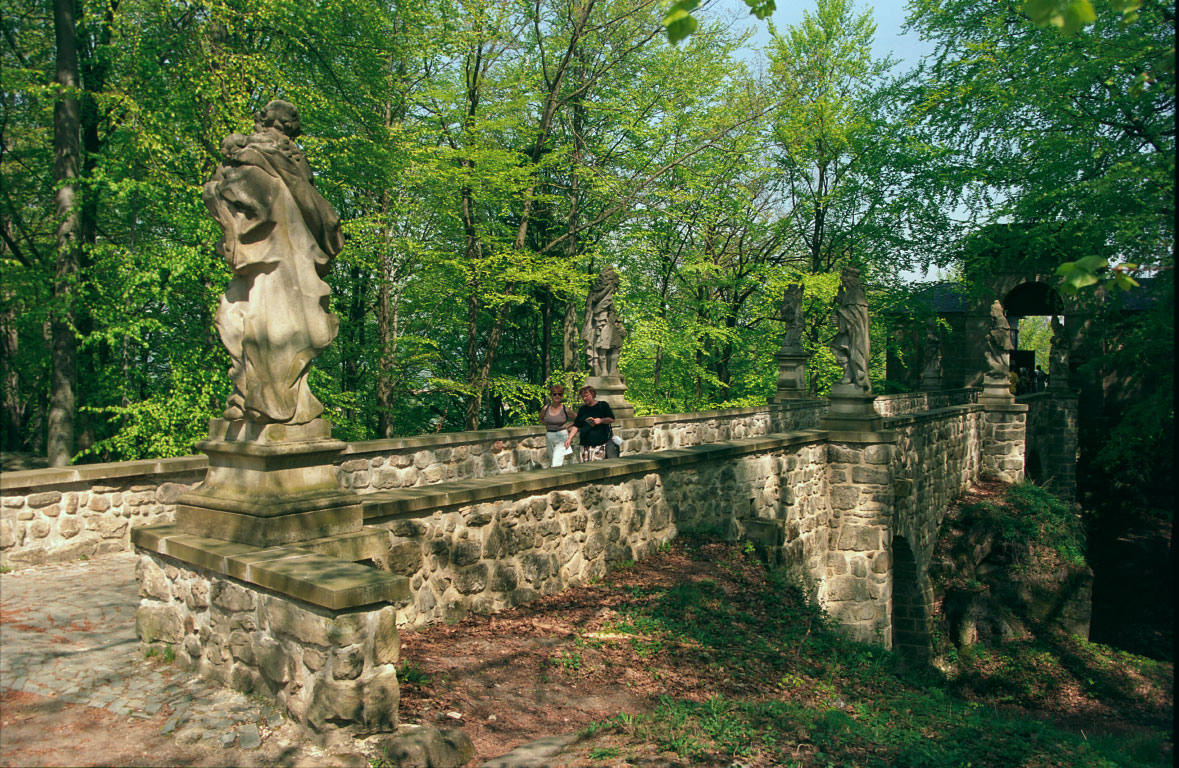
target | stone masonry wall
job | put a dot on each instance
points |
(918, 402)
(492, 555)
(1052, 432)
(1004, 435)
(55, 515)
(325, 669)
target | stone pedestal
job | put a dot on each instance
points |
(931, 381)
(269, 484)
(612, 389)
(851, 411)
(791, 376)
(996, 392)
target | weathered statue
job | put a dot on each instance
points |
(998, 344)
(851, 345)
(792, 317)
(279, 235)
(1058, 356)
(602, 331)
(932, 369)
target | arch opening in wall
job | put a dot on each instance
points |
(1030, 308)
(910, 606)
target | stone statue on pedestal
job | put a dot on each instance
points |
(279, 235)
(851, 345)
(931, 372)
(602, 332)
(792, 316)
(998, 344)
(1058, 357)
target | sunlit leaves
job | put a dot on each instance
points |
(1069, 15)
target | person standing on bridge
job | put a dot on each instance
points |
(593, 422)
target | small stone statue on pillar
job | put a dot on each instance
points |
(931, 372)
(791, 356)
(271, 479)
(603, 334)
(1058, 357)
(851, 397)
(996, 385)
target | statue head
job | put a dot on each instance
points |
(282, 116)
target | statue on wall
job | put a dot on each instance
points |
(279, 236)
(932, 370)
(851, 345)
(792, 316)
(602, 331)
(1058, 356)
(998, 344)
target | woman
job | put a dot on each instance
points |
(593, 422)
(556, 417)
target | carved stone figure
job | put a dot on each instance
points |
(279, 235)
(1058, 357)
(602, 331)
(851, 344)
(931, 373)
(998, 344)
(792, 317)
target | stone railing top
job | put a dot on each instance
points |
(92, 473)
(385, 505)
(906, 419)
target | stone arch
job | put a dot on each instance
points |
(1031, 298)
(910, 603)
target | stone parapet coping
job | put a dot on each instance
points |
(385, 505)
(90, 473)
(300, 572)
(931, 393)
(909, 419)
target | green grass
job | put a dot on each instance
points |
(790, 689)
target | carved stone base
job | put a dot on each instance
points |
(269, 484)
(791, 376)
(612, 389)
(931, 381)
(996, 392)
(851, 411)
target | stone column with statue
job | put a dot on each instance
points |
(996, 382)
(851, 397)
(791, 356)
(1058, 356)
(931, 371)
(603, 334)
(271, 479)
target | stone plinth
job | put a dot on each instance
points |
(851, 411)
(269, 484)
(931, 381)
(996, 392)
(612, 389)
(791, 376)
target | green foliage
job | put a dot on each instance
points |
(1031, 516)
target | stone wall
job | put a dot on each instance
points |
(326, 669)
(1004, 437)
(55, 515)
(512, 546)
(918, 402)
(1052, 435)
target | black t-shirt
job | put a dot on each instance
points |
(596, 434)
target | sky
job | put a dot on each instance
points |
(889, 15)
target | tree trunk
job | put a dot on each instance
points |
(570, 353)
(67, 150)
(546, 337)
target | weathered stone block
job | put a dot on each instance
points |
(38, 500)
(381, 697)
(465, 552)
(385, 637)
(504, 577)
(348, 663)
(471, 580)
(870, 476)
(156, 622)
(153, 582)
(334, 703)
(231, 597)
(273, 660)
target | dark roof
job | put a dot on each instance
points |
(941, 297)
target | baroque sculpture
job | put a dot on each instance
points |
(851, 344)
(792, 317)
(279, 236)
(1058, 356)
(931, 373)
(998, 344)
(602, 332)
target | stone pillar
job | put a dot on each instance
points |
(851, 411)
(791, 376)
(1004, 433)
(857, 589)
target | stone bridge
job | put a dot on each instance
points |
(474, 521)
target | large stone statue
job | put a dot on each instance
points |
(931, 372)
(851, 345)
(792, 317)
(998, 345)
(279, 235)
(602, 331)
(1058, 357)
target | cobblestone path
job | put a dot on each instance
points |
(67, 632)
